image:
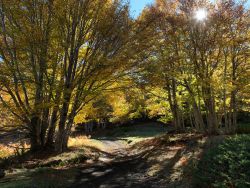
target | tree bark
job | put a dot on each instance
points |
(52, 128)
(209, 101)
(172, 99)
(35, 132)
(233, 106)
(61, 135)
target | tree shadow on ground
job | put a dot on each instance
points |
(159, 163)
(134, 171)
(40, 177)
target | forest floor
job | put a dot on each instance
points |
(137, 156)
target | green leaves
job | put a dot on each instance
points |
(226, 165)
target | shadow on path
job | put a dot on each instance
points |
(134, 171)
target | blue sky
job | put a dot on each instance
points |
(138, 5)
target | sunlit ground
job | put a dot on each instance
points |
(163, 159)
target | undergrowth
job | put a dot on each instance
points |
(225, 165)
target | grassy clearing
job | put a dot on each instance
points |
(225, 165)
(135, 134)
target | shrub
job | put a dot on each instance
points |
(225, 165)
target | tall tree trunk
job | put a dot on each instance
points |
(225, 112)
(211, 113)
(172, 99)
(61, 135)
(44, 126)
(199, 123)
(53, 120)
(67, 134)
(52, 128)
(36, 119)
(191, 119)
(35, 132)
(233, 112)
(233, 106)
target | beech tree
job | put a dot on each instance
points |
(26, 28)
(57, 56)
(192, 56)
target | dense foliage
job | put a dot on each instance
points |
(56, 56)
(226, 165)
(64, 62)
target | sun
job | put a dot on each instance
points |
(201, 14)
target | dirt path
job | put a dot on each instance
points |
(143, 156)
(159, 165)
(114, 146)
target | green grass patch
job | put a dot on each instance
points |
(139, 131)
(225, 165)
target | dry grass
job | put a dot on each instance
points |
(13, 149)
(83, 141)
(76, 143)
(6, 152)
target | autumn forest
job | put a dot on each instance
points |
(94, 97)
